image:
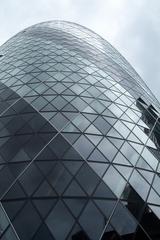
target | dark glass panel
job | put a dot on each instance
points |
(88, 221)
(107, 148)
(87, 178)
(83, 146)
(27, 222)
(60, 221)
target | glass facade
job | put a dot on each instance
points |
(79, 140)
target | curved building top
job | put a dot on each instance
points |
(89, 44)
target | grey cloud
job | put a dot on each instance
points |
(141, 42)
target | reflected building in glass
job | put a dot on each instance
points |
(79, 140)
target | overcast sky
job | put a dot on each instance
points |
(132, 26)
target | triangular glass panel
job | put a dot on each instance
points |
(71, 128)
(147, 175)
(68, 97)
(103, 191)
(43, 233)
(45, 166)
(68, 92)
(153, 197)
(88, 109)
(59, 121)
(48, 108)
(75, 205)
(15, 192)
(30, 99)
(90, 117)
(59, 178)
(108, 113)
(142, 164)
(47, 128)
(106, 206)
(45, 190)
(71, 137)
(70, 115)
(60, 221)
(74, 190)
(72, 154)
(116, 141)
(120, 159)
(69, 108)
(49, 98)
(114, 133)
(59, 102)
(133, 138)
(125, 171)
(87, 178)
(12, 207)
(93, 130)
(88, 220)
(73, 166)
(46, 136)
(97, 156)
(44, 205)
(83, 146)
(95, 139)
(48, 115)
(99, 168)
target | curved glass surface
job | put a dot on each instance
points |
(79, 139)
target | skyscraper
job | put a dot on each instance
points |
(79, 139)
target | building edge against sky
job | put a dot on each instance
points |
(79, 139)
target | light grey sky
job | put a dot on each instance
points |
(131, 26)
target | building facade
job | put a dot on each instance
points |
(79, 140)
